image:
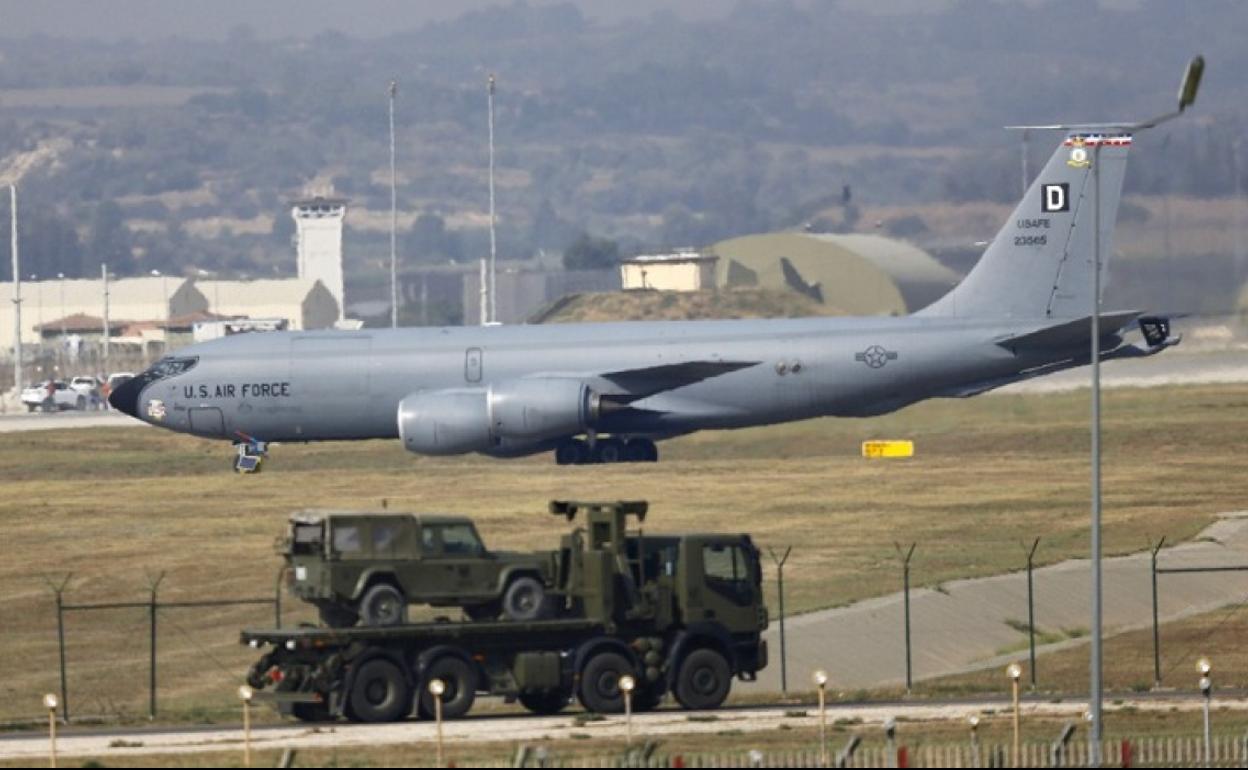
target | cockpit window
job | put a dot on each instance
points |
(169, 367)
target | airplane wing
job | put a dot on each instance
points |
(646, 381)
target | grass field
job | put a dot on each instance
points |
(111, 505)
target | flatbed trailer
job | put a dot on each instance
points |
(677, 614)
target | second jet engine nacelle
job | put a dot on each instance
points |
(515, 412)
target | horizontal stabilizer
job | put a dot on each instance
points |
(1067, 333)
(656, 379)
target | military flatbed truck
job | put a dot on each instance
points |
(681, 614)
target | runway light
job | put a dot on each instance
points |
(627, 683)
(50, 702)
(1014, 671)
(973, 721)
(820, 678)
(437, 687)
(1204, 666)
(246, 693)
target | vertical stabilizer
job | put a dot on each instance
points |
(1040, 263)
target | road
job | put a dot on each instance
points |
(21, 422)
(963, 624)
(106, 745)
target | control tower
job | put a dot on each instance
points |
(318, 242)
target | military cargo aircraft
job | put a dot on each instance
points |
(606, 392)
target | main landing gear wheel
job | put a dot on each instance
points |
(609, 450)
(572, 452)
(641, 450)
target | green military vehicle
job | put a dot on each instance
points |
(681, 614)
(368, 567)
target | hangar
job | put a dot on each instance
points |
(858, 273)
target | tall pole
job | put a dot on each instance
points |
(493, 315)
(108, 335)
(1096, 695)
(1026, 174)
(17, 292)
(394, 218)
(1239, 216)
(1031, 612)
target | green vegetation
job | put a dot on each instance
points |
(682, 306)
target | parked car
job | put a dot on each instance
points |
(59, 396)
(90, 387)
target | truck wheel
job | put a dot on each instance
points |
(545, 702)
(380, 693)
(600, 683)
(525, 599)
(461, 688)
(703, 680)
(383, 605)
(646, 699)
(337, 617)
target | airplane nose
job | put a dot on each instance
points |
(125, 398)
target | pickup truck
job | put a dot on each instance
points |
(60, 396)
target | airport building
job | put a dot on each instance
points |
(858, 274)
(682, 271)
(318, 243)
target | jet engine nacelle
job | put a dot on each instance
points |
(513, 412)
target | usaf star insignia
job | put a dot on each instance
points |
(875, 356)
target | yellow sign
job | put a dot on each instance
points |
(873, 449)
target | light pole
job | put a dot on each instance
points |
(1187, 97)
(437, 688)
(393, 91)
(17, 293)
(50, 703)
(820, 678)
(627, 683)
(1015, 672)
(245, 693)
(493, 297)
(973, 721)
(1206, 689)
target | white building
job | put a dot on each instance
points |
(682, 271)
(318, 242)
(304, 303)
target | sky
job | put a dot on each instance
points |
(150, 19)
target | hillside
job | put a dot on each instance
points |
(682, 306)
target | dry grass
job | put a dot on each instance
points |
(107, 505)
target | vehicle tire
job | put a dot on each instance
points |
(703, 680)
(379, 693)
(461, 688)
(525, 599)
(545, 702)
(311, 712)
(81, 404)
(571, 452)
(600, 683)
(335, 616)
(383, 605)
(609, 450)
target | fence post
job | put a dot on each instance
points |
(59, 590)
(905, 584)
(1156, 628)
(1031, 612)
(784, 662)
(151, 608)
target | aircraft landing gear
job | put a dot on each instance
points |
(250, 456)
(577, 451)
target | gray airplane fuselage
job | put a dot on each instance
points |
(309, 386)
